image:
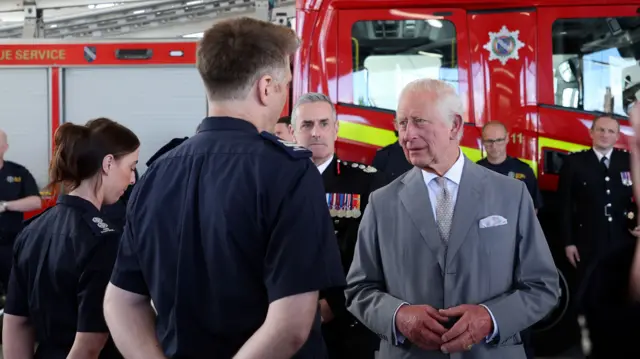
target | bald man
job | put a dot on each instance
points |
(495, 138)
(18, 194)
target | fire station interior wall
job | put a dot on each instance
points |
(24, 116)
(156, 103)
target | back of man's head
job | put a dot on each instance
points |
(234, 54)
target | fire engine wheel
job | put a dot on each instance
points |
(558, 313)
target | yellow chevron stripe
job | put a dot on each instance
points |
(560, 145)
(366, 134)
(381, 137)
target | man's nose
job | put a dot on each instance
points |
(315, 132)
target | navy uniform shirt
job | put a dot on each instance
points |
(391, 161)
(15, 183)
(517, 169)
(219, 227)
(62, 263)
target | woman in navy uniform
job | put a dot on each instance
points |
(64, 257)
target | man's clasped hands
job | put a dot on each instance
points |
(424, 326)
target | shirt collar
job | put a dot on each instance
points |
(78, 202)
(323, 166)
(454, 173)
(226, 123)
(603, 154)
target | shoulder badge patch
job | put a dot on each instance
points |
(293, 149)
(98, 226)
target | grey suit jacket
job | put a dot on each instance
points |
(400, 257)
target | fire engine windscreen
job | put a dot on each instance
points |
(591, 55)
(388, 54)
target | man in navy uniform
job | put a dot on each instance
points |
(391, 160)
(228, 234)
(495, 139)
(596, 193)
(18, 194)
(347, 186)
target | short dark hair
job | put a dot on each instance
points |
(235, 53)
(80, 150)
(606, 115)
(286, 120)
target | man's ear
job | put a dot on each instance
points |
(457, 126)
(265, 88)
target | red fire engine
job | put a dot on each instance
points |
(544, 68)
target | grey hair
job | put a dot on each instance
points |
(312, 97)
(448, 101)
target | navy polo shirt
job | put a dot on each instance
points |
(217, 229)
(517, 169)
(62, 263)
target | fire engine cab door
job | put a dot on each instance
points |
(503, 75)
(382, 50)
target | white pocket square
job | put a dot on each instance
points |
(493, 221)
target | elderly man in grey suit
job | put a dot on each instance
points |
(450, 261)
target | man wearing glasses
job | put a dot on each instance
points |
(495, 139)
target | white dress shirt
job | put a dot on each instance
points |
(323, 166)
(605, 154)
(453, 176)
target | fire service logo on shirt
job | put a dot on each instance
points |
(14, 179)
(503, 45)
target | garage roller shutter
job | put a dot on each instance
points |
(24, 116)
(157, 103)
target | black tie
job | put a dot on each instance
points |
(603, 162)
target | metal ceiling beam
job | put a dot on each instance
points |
(18, 5)
(126, 19)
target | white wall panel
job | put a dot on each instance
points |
(24, 116)
(157, 103)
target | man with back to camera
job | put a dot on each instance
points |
(19, 193)
(495, 139)
(283, 129)
(450, 256)
(229, 233)
(596, 197)
(347, 186)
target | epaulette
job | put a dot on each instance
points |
(291, 148)
(98, 226)
(30, 220)
(363, 167)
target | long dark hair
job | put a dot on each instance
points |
(80, 150)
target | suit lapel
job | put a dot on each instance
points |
(465, 212)
(415, 198)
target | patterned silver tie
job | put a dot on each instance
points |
(444, 209)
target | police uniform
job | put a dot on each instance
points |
(347, 186)
(517, 169)
(219, 227)
(62, 263)
(596, 208)
(15, 183)
(391, 161)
